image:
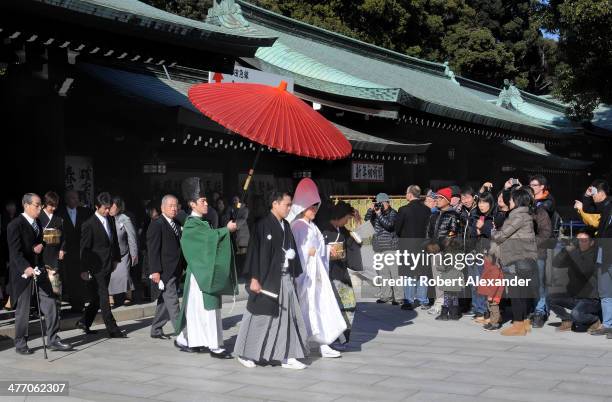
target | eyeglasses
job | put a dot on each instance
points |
(535, 185)
(36, 205)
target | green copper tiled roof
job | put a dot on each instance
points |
(414, 83)
(173, 93)
(136, 13)
(312, 74)
(288, 59)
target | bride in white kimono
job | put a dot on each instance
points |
(320, 310)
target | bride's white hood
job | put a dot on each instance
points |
(306, 195)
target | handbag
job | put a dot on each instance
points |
(54, 278)
(346, 295)
(526, 267)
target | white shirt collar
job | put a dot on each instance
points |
(194, 213)
(50, 216)
(168, 219)
(30, 220)
(102, 219)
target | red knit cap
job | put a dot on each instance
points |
(445, 192)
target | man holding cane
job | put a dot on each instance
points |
(25, 243)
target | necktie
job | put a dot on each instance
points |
(176, 232)
(35, 227)
(107, 228)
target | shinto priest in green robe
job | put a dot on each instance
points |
(210, 274)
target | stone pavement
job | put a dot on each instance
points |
(394, 355)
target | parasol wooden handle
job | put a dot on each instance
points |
(247, 182)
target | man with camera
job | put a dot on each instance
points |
(385, 241)
(581, 298)
(597, 199)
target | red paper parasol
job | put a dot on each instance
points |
(272, 117)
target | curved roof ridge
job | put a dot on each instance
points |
(286, 58)
(339, 40)
(135, 8)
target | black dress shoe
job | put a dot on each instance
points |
(85, 328)
(117, 334)
(538, 321)
(381, 301)
(185, 349)
(24, 350)
(203, 349)
(59, 346)
(407, 306)
(395, 303)
(160, 336)
(491, 327)
(221, 355)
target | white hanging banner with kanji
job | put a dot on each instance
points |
(367, 172)
(78, 176)
(243, 74)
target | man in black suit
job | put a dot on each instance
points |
(166, 264)
(25, 243)
(410, 227)
(99, 257)
(73, 217)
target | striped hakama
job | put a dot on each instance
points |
(264, 338)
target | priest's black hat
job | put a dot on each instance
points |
(191, 189)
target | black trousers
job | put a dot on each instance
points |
(98, 293)
(72, 284)
(48, 308)
(521, 301)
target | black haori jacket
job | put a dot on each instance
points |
(264, 261)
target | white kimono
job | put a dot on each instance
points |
(320, 310)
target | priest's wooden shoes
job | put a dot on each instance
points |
(224, 354)
(184, 348)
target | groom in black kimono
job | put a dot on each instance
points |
(272, 328)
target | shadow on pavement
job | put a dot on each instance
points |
(370, 318)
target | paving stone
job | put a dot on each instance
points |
(593, 377)
(588, 352)
(417, 372)
(390, 357)
(191, 384)
(494, 379)
(441, 397)
(275, 394)
(584, 389)
(353, 377)
(534, 395)
(434, 385)
(129, 389)
(371, 392)
(202, 396)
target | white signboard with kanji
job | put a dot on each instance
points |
(367, 172)
(243, 74)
